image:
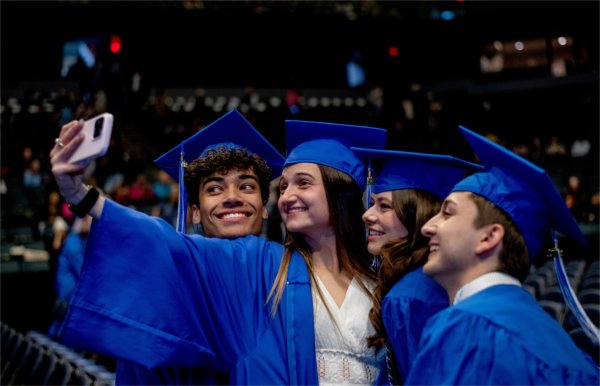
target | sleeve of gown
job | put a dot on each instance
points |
(404, 319)
(458, 348)
(152, 296)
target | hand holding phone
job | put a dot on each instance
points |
(97, 132)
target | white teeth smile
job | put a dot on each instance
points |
(294, 210)
(375, 233)
(434, 248)
(233, 215)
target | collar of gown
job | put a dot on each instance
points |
(483, 282)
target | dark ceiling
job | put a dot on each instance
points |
(283, 43)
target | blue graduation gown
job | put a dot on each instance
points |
(69, 265)
(152, 296)
(499, 336)
(405, 310)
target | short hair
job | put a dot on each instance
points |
(514, 257)
(223, 159)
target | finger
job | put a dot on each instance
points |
(67, 133)
(62, 154)
(68, 169)
(70, 131)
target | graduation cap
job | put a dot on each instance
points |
(232, 130)
(329, 144)
(522, 190)
(434, 173)
(526, 194)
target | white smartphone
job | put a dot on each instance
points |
(97, 132)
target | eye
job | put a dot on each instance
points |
(213, 189)
(282, 187)
(446, 213)
(385, 206)
(248, 187)
(304, 183)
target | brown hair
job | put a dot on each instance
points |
(414, 208)
(514, 257)
(222, 159)
(344, 200)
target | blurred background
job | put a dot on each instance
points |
(522, 73)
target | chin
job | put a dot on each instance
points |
(374, 250)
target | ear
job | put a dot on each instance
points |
(491, 238)
(196, 218)
(265, 213)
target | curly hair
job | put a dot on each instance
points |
(222, 159)
(414, 208)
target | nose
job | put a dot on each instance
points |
(286, 197)
(429, 228)
(369, 216)
(232, 198)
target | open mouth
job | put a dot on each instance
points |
(232, 215)
(297, 210)
(373, 232)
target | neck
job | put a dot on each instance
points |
(324, 254)
(455, 282)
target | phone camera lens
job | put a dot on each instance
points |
(98, 127)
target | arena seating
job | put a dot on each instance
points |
(35, 359)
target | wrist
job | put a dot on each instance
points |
(79, 195)
(88, 199)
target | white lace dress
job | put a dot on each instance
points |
(342, 354)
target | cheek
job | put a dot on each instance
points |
(280, 206)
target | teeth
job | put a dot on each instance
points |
(375, 233)
(434, 248)
(293, 210)
(233, 215)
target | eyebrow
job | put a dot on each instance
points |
(221, 179)
(447, 202)
(303, 174)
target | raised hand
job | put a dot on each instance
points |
(69, 176)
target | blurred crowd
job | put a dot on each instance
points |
(162, 118)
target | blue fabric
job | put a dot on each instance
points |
(434, 173)
(521, 189)
(499, 336)
(69, 265)
(329, 144)
(405, 310)
(152, 296)
(231, 125)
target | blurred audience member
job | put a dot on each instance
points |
(69, 266)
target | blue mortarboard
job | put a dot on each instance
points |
(522, 190)
(526, 193)
(329, 144)
(434, 173)
(231, 130)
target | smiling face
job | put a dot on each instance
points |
(383, 223)
(230, 205)
(303, 201)
(453, 240)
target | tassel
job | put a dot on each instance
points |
(572, 302)
(182, 204)
(369, 190)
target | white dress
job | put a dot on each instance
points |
(343, 356)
